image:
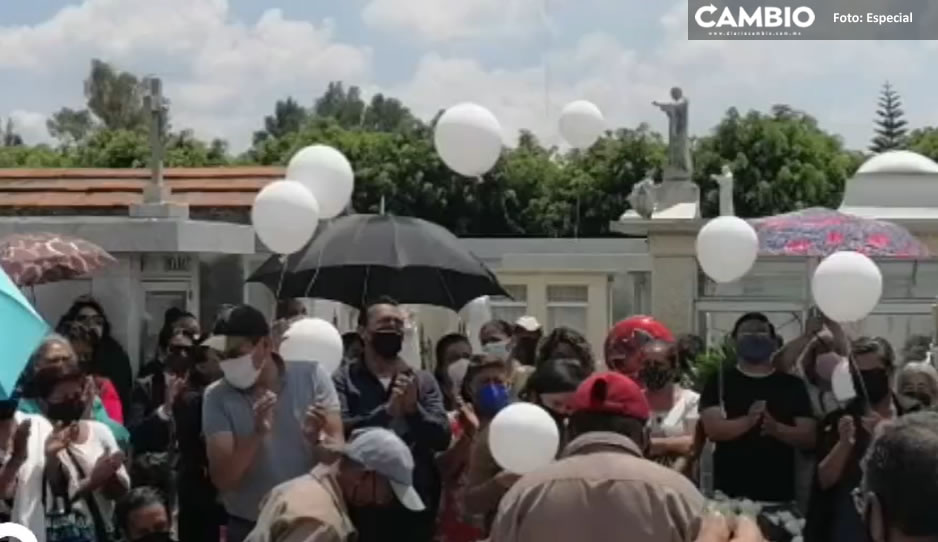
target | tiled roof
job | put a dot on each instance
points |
(221, 187)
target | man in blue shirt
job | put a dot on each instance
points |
(380, 390)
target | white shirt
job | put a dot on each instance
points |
(680, 420)
(27, 500)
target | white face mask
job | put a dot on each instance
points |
(240, 372)
(498, 349)
(457, 372)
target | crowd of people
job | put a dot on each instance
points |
(218, 438)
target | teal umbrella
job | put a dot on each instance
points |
(23, 330)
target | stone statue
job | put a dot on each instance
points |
(679, 161)
(725, 183)
(643, 197)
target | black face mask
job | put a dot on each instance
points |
(876, 384)
(156, 537)
(67, 411)
(387, 343)
(656, 377)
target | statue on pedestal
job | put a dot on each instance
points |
(679, 167)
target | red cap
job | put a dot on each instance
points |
(611, 393)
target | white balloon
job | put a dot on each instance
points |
(727, 247)
(285, 215)
(327, 173)
(468, 139)
(581, 123)
(523, 437)
(313, 339)
(847, 286)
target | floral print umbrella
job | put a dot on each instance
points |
(37, 258)
(819, 232)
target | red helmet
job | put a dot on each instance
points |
(626, 339)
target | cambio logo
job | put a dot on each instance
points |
(760, 17)
(17, 532)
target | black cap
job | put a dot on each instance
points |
(242, 321)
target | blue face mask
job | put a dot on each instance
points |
(490, 399)
(755, 348)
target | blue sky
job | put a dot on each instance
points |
(225, 62)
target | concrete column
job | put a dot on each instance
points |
(673, 279)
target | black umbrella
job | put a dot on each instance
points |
(358, 258)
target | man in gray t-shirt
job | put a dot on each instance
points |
(263, 418)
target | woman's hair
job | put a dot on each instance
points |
(26, 382)
(916, 348)
(501, 326)
(82, 302)
(45, 380)
(440, 371)
(170, 329)
(875, 345)
(555, 376)
(689, 348)
(478, 363)
(77, 333)
(918, 368)
(565, 335)
(137, 498)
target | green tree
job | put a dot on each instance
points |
(288, 117)
(890, 126)
(116, 98)
(595, 184)
(782, 161)
(924, 141)
(385, 114)
(70, 126)
(344, 105)
(37, 156)
(9, 137)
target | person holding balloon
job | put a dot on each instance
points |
(487, 387)
(381, 390)
(757, 417)
(602, 487)
(844, 436)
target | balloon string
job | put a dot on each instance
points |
(324, 225)
(283, 273)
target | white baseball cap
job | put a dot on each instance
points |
(528, 323)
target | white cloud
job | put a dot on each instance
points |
(443, 20)
(30, 125)
(223, 75)
(715, 75)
